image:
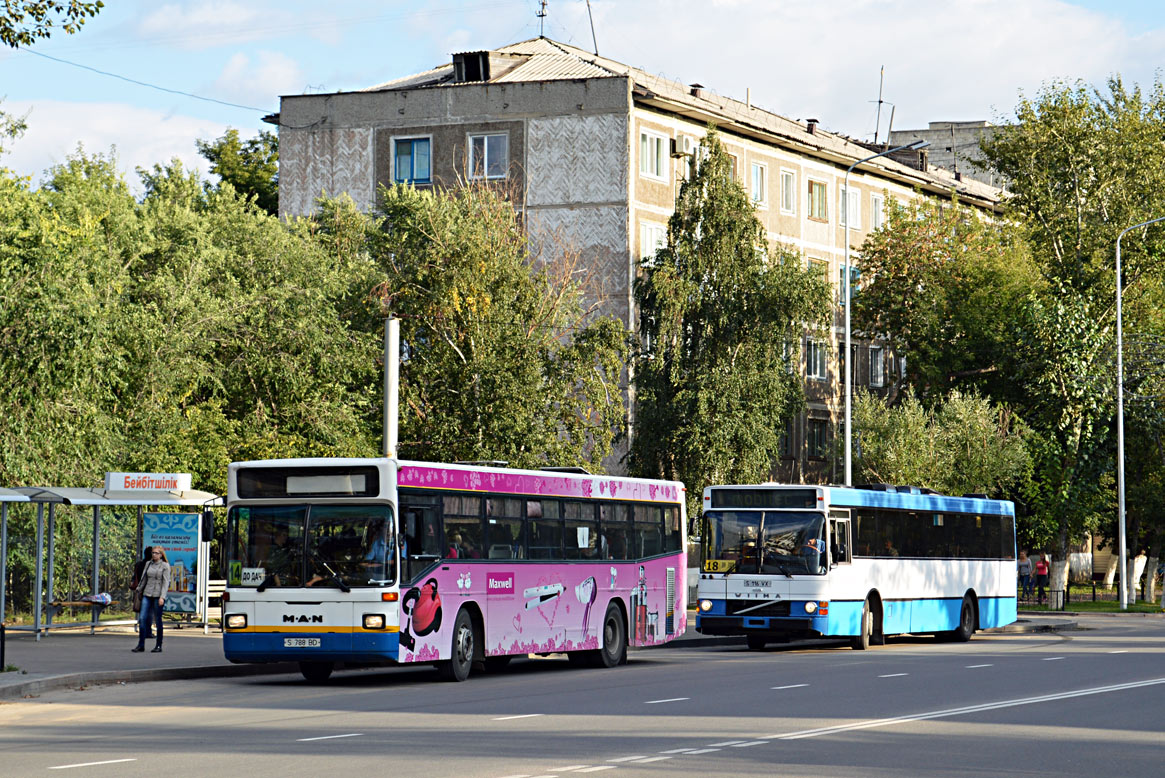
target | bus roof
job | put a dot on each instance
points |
(846, 497)
(468, 477)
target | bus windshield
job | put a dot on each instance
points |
(285, 546)
(776, 542)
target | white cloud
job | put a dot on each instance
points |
(204, 24)
(142, 137)
(259, 81)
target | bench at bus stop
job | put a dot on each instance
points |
(57, 607)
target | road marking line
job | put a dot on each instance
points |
(597, 768)
(1122, 651)
(673, 699)
(677, 751)
(327, 737)
(972, 667)
(1052, 658)
(893, 675)
(938, 714)
(627, 758)
(91, 764)
(651, 759)
(726, 743)
(519, 775)
(702, 751)
(523, 716)
(750, 743)
(790, 686)
(568, 769)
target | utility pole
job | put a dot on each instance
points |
(542, 18)
(878, 120)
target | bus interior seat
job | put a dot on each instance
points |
(501, 551)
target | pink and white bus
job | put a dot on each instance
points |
(376, 561)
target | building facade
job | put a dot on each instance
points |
(593, 153)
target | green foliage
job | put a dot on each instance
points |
(944, 287)
(25, 21)
(251, 166)
(720, 314)
(502, 362)
(963, 445)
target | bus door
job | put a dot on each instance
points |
(839, 537)
(420, 523)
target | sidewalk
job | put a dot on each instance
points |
(66, 659)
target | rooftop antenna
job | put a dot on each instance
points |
(878, 120)
(541, 18)
(592, 18)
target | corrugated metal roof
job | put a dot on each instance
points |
(551, 67)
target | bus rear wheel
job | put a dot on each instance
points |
(457, 667)
(316, 672)
(966, 626)
(861, 641)
(614, 649)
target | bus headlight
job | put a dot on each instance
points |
(236, 621)
(373, 621)
(810, 607)
(705, 605)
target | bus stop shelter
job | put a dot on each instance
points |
(97, 498)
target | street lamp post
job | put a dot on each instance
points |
(918, 144)
(1120, 421)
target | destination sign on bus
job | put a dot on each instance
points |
(261, 482)
(764, 498)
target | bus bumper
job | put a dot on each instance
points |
(359, 647)
(792, 626)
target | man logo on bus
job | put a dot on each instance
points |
(290, 619)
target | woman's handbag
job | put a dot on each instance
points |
(137, 601)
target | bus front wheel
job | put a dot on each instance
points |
(457, 667)
(316, 672)
(861, 641)
(614, 649)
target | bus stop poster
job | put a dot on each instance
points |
(178, 534)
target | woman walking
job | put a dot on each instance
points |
(154, 584)
(1042, 576)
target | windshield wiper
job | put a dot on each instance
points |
(783, 569)
(336, 579)
(270, 579)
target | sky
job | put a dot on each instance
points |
(176, 71)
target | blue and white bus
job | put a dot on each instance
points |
(781, 562)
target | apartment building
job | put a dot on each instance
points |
(593, 152)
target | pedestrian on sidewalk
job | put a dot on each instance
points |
(154, 585)
(138, 567)
(1024, 568)
(1042, 569)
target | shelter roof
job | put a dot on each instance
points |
(8, 495)
(100, 497)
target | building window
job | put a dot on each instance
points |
(854, 276)
(489, 155)
(877, 367)
(815, 359)
(851, 216)
(788, 192)
(817, 440)
(818, 268)
(732, 168)
(818, 201)
(877, 211)
(788, 438)
(652, 237)
(652, 154)
(760, 184)
(411, 161)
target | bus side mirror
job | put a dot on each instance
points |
(207, 526)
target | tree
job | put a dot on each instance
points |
(720, 312)
(250, 167)
(24, 22)
(1083, 165)
(961, 445)
(945, 287)
(502, 363)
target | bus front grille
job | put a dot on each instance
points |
(749, 608)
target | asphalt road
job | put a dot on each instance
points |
(1081, 703)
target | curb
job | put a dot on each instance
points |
(51, 683)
